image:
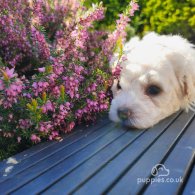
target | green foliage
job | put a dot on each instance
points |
(9, 147)
(164, 17)
(168, 16)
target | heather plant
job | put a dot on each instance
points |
(54, 67)
(114, 7)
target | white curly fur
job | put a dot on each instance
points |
(167, 61)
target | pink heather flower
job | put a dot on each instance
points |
(92, 106)
(48, 107)
(134, 7)
(53, 135)
(79, 114)
(10, 72)
(103, 106)
(25, 124)
(59, 118)
(35, 139)
(101, 95)
(41, 69)
(58, 67)
(40, 43)
(93, 87)
(15, 60)
(27, 95)
(96, 14)
(40, 87)
(72, 86)
(56, 91)
(52, 78)
(70, 127)
(12, 93)
(78, 69)
(68, 104)
(116, 71)
(45, 126)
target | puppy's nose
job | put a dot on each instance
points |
(124, 113)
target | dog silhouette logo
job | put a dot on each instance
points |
(160, 170)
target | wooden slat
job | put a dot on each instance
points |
(124, 157)
(96, 162)
(190, 186)
(71, 163)
(106, 177)
(179, 161)
(151, 157)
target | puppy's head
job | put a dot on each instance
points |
(156, 81)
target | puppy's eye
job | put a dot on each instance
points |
(118, 86)
(153, 90)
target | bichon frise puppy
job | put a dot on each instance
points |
(157, 79)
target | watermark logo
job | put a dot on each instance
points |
(160, 174)
(164, 172)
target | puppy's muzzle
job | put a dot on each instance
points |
(124, 113)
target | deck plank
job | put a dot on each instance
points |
(87, 169)
(64, 167)
(154, 155)
(178, 161)
(25, 160)
(124, 157)
(190, 188)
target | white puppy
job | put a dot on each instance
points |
(157, 79)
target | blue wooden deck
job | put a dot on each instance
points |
(105, 159)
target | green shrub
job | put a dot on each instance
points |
(168, 16)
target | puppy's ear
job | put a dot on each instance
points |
(184, 87)
(185, 75)
(187, 85)
(188, 92)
